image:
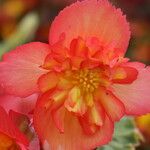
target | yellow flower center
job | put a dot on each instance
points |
(88, 80)
(7, 143)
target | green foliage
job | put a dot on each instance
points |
(126, 136)
(24, 33)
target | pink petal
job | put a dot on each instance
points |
(20, 68)
(114, 107)
(21, 105)
(92, 18)
(52, 101)
(73, 137)
(135, 96)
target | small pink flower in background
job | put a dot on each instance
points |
(85, 82)
(16, 132)
(10, 135)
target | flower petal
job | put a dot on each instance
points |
(135, 96)
(21, 105)
(114, 107)
(73, 137)
(20, 68)
(52, 102)
(75, 102)
(78, 48)
(93, 119)
(92, 18)
(124, 75)
(48, 81)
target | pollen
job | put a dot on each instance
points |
(87, 79)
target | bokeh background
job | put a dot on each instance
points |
(22, 21)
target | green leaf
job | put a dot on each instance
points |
(126, 136)
(24, 33)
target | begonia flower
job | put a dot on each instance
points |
(85, 80)
(15, 132)
(10, 135)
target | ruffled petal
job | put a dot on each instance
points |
(21, 69)
(21, 105)
(93, 119)
(52, 102)
(73, 137)
(8, 128)
(124, 75)
(48, 81)
(92, 18)
(113, 106)
(78, 48)
(75, 101)
(135, 96)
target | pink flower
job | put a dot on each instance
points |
(10, 135)
(86, 83)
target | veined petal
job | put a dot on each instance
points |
(8, 128)
(75, 102)
(92, 18)
(114, 107)
(48, 81)
(93, 119)
(20, 68)
(97, 114)
(78, 48)
(88, 128)
(52, 102)
(58, 118)
(73, 137)
(50, 63)
(124, 75)
(21, 105)
(135, 96)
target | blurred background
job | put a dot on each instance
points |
(22, 21)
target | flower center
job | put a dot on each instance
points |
(7, 143)
(87, 80)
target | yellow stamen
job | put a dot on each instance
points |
(87, 80)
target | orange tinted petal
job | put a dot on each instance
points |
(113, 106)
(97, 115)
(75, 101)
(48, 81)
(78, 48)
(7, 143)
(50, 63)
(58, 118)
(124, 75)
(93, 119)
